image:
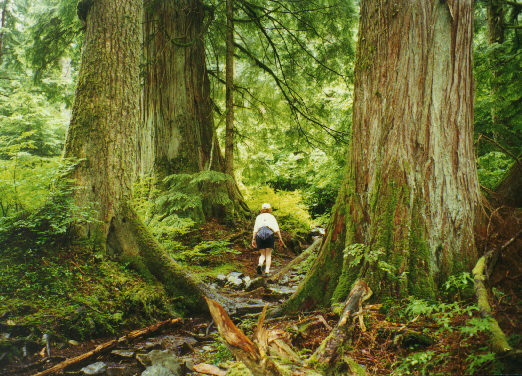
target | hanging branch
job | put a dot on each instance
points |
(291, 96)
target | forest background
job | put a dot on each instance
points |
(294, 85)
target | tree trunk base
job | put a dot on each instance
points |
(132, 242)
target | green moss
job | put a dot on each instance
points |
(178, 282)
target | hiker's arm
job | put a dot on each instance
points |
(256, 229)
(281, 243)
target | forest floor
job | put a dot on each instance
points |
(439, 339)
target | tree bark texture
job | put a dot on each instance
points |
(178, 134)
(105, 114)
(411, 192)
(229, 78)
(496, 26)
(102, 135)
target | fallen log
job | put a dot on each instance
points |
(254, 353)
(107, 346)
(303, 256)
(327, 352)
(241, 346)
(499, 343)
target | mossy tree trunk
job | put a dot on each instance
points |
(105, 112)
(178, 135)
(229, 78)
(404, 217)
(102, 135)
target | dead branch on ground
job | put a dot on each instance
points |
(108, 345)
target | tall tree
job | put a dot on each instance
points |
(2, 25)
(178, 134)
(102, 135)
(229, 78)
(404, 217)
(495, 14)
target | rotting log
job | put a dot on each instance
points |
(108, 345)
(241, 346)
(499, 343)
(327, 353)
(297, 260)
(254, 354)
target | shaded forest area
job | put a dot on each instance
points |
(139, 140)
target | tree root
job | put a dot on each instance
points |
(283, 359)
(130, 239)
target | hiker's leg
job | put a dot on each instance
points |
(268, 256)
(262, 257)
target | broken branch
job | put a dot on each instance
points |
(108, 345)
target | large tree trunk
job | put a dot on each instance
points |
(102, 136)
(2, 25)
(178, 134)
(105, 113)
(229, 78)
(411, 193)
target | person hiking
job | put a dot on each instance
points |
(263, 237)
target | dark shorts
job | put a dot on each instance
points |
(265, 243)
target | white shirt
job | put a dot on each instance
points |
(266, 219)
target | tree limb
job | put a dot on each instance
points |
(107, 346)
(304, 255)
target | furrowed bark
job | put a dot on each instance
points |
(177, 134)
(410, 195)
(102, 136)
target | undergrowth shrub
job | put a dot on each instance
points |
(491, 168)
(44, 224)
(287, 207)
(193, 196)
(206, 253)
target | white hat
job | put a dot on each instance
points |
(266, 205)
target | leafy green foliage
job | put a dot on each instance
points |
(492, 167)
(76, 295)
(443, 313)
(497, 74)
(287, 207)
(29, 118)
(221, 354)
(205, 253)
(479, 361)
(460, 285)
(189, 195)
(419, 361)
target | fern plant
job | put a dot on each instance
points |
(193, 195)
